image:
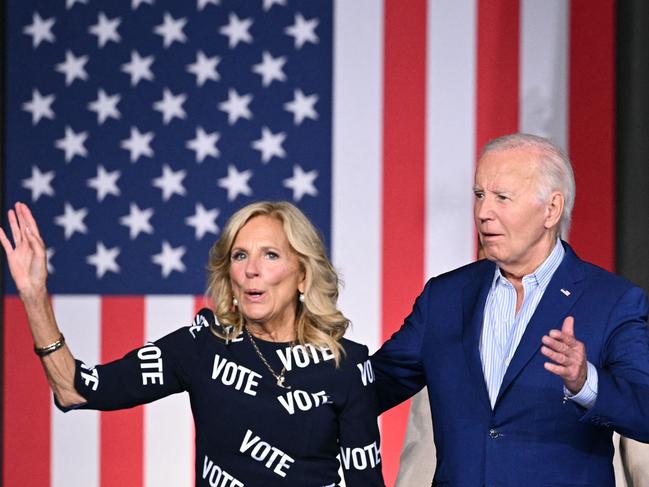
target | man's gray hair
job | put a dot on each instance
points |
(555, 170)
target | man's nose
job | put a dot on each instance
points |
(484, 209)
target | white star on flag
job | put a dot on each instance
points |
(269, 3)
(302, 183)
(137, 221)
(136, 3)
(171, 106)
(73, 67)
(104, 260)
(203, 221)
(302, 107)
(171, 30)
(138, 144)
(72, 220)
(105, 106)
(39, 183)
(237, 30)
(39, 106)
(40, 30)
(138, 68)
(170, 259)
(270, 145)
(201, 4)
(72, 144)
(70, 3)
(105, 29)
(303, 31)
(270, 68)
(236, 182)
(170, 182)
(236, 106)
(204, 68)
(105, 183)
(204, 144)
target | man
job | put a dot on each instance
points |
(532, 357)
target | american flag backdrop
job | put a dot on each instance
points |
(134, 128)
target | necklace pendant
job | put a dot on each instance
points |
(280, 383)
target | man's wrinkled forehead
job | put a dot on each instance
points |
(520, 163)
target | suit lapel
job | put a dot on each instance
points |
(474, 296)
(560, 296)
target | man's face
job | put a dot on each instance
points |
(510, 219)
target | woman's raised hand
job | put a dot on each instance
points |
(27, 258)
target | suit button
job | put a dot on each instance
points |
(493, 433)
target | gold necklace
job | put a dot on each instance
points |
(278, 377)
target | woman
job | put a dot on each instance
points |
(275, 390)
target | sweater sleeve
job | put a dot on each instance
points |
(358, 428)
(151, 372)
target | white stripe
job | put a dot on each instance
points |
(450, 134)
(168, 430)
(544, 69)
(357, 163)
(75, 435)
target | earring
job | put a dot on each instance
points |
(235, 302)
(301, 298)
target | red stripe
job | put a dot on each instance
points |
(122, 432)
(403, 185)
(498, 71)
(26, 405)
(592, 128)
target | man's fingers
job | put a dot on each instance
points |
(555, 344)
(555, 356)
(568, 327)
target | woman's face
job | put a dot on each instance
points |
(265, 273)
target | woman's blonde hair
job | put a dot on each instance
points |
(318, 320)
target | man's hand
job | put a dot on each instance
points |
(568, 355)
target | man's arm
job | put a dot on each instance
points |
(397, 364)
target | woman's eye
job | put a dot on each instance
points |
(238, 256)
(272, 255)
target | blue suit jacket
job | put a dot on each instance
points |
(532, 437)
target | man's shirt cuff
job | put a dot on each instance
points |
(588, 395)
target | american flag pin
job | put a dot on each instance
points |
(565, 292)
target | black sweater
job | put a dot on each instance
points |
(250, 431)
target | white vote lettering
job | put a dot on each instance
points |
(151, 358)
(274, 458)
(303, 356)
(234, 375)
(367, 374)
(361, 457)
(91, 378)
(217, 477)
(303, 400)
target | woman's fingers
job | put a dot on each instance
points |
(29, 219)
(5, 242)
(15, 229)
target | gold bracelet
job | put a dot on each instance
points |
(52, 347)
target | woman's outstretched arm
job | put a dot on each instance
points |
(27, 261)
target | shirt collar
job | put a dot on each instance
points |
(543, 273)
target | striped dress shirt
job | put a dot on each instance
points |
(502, 327)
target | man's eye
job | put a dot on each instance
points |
(478, 195)
(502, 197)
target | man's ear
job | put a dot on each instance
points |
(554, 209)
